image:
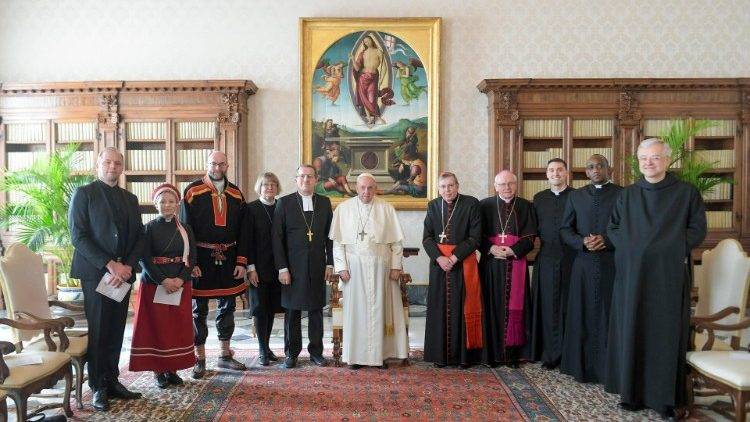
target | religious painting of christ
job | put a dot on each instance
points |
(369, 104)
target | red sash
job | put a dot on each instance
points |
(514, 329)
(472, 298)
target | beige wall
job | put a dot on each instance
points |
(258, 40)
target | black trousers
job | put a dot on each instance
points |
(293, 332)
(224, 318)
(106, 320)
(263, 327)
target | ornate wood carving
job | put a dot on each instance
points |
(108, 114)
(628, 112)
(745, 95)
(506, 108)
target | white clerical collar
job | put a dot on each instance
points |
(507, 201)
(558, 192)
(267, 202)
(600, 186)
(307, 202)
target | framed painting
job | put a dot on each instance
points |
(370, 93)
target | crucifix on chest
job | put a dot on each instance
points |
(309, 235)
(442, 237)
(362, 235)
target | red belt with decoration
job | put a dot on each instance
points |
(218, 250)
(161, 260)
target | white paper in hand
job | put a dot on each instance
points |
(24, 359)
(161, 296)
(112, 292)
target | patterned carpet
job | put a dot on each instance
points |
(415, 392)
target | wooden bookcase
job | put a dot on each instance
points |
(611, 117)
(165, 129)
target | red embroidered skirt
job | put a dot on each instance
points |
(162, 334)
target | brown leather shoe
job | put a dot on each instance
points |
(228, 362)
(199, 370)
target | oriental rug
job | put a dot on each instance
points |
(415, 392)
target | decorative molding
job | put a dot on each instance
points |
(232, 103)
(623, 84)
(506, 108)
(234, 85)
(629, 112)
(109, 107)
(745, 113)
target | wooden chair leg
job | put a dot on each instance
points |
(79, 365)
(337, 334)
(740, 397)
(20, 401)
(66, 393)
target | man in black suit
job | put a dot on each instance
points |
(106, 232)
(303, 255)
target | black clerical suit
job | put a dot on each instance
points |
(549, 280)
(590, 293)
(265, 299)
(105, 225)
(305, 258)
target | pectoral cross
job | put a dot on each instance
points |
(362, 235)
(502, 237)
(309, 235)
(442, 237)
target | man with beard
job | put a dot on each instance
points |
(452, 227)
(655, 224)
(551, 275)
(584, 229)
(215, 208)
(508, 230)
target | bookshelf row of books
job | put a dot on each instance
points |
(658, 127)
(16, 197)
(76, 131)
(581, 155)
(579, 183)
(722, 191)
(532, 187)
(594, 128)
(719, 219)
(146, 217)
(146, 159)
(539, 159)
(721, 158)
(145, 131)
(26, 133)
(23, 159)
(196, 130)
(82, 160)
(192, 159)
(143, 190)
(546, 128)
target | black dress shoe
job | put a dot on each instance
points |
(438, 365)
(465, 366)
(199, 369)
(632, 407)
(319, 360)
(354, 366)
(161, 379)
(290, 362)
(117, 390)
(100, 400)
(174, 379)
(263, 360)
(549, 365)
(271, 356)
(228, 362)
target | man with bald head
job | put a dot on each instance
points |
(367, 255)
(584, 228)
(105, 229)
(508, 230)
(214, 208)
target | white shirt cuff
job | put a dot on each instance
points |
(251, 267)
(284, 270)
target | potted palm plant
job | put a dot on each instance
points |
(685, 163)
(38, 212)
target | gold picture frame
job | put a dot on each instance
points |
(370, 102)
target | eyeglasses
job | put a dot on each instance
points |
(217, 164)
(505, 185)
(654, 158)
(306, 176)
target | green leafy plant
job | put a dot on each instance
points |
(39, 215)
(685, 163)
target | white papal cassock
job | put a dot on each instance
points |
(367, 242)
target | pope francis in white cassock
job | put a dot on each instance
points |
(367, 254)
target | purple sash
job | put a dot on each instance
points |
(514, 329)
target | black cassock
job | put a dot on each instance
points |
(266, 298)
(445, 328)
(654, 227)
(587, 212)
(305, 259)
(517, 219)
(549, 280)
